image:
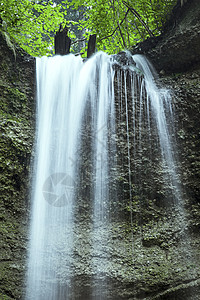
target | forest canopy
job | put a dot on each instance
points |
(119, 24)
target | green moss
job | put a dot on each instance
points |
(12, 100)
(4, 297)
(17, 131)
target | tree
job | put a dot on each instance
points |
(31, 24)
(118, 24)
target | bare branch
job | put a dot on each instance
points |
(118, 26)
(137, 15)
(77, 41)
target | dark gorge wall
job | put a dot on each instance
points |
(156, 256)
(151, 250)
(177, 48)
(17, 108)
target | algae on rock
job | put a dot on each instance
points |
(17, 135)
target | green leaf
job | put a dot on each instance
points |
(33, 25)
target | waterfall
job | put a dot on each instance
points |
(58, 123)
(73, 95)
(160, 102)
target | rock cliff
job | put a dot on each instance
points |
(17, 110)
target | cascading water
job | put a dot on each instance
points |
(160, 103)
(58, 122)
(103, 125)
(67, 91)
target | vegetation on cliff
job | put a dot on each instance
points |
(16, 140)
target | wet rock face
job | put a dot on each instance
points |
(151, 250)
(186, 91)
(178, 48)
(17, 132)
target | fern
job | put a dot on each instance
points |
(9, 43)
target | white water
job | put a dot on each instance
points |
(59, 110)
(65, 86)
(159, 101)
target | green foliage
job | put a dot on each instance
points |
(118, 24)
(31, 24)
